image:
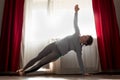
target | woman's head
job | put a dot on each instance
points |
(86, 39)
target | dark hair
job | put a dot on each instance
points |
(89, 41)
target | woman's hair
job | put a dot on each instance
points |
(89, 41)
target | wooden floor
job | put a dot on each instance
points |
(47, 76)
(61, 77)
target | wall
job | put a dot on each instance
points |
(117, 8)
(1, 12)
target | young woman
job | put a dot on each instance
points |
(59, 48)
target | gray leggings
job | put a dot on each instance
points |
(48, 54)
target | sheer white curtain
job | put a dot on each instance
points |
(48, 20)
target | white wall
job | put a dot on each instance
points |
(1, 12)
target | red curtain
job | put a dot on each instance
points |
(11, 32)
(107, 34)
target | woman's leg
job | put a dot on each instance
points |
(47, 59)
(43, 53)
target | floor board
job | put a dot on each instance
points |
(60, 77)
(39, 76)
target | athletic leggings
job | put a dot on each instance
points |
(48, 54)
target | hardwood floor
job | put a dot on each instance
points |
(60, 77)
(47, 76)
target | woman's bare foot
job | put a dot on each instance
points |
(20, 72)
(86, 74)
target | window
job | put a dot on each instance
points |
(47, 20)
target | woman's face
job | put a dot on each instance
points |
(85, 38)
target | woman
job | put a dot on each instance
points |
(59, 48)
